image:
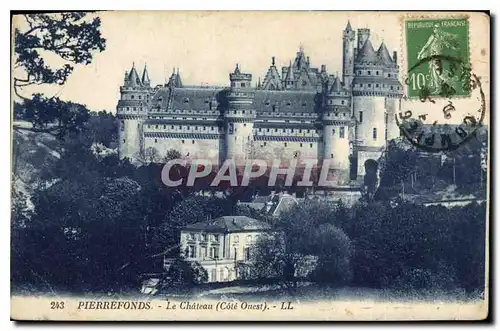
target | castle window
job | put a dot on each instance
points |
(274, 107)
(392, 87)
(180, 126)
(260, 129)
(156, 140)
(360, 117)
(398, 87)
(342, 102)
(359, 72)
(288, 103)
(369, 72)
(267, 130)
(123, 140)
(186, 100)
(344, 114)
(135, 108)
(234, 112)
(342, 132)
(206, 101)
(122, 127)
(330, 102)
(149, 126)
(311, 145)
(140, 97)
(376, 85)
(300, 144)
(360, 85)
(138, 125)
(265, 144)
(287, 121)
(336, 114)
(182, 141)
(300, 130)
(374, 133)
(308, 131)
(376, 73)
(304, 104)
(184, 118)
(285, 144)
(389, 75)
(156, 127)
(243, 85)
(132, 97)
(211, 128)
(192, 141)
(164, 126)
(369, 85)
(242, 111)
(275, 130)
(196, 128)
(172, 126)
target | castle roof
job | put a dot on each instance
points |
(337, 86)
(289, 74)
(133, 77)
(187, 98)
(367, 54)
(272, 80)
(145, 76)
(383, 54)
(348, 26)
(285, 101)
(175, 79)
(227, 224)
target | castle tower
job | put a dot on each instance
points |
(376, 91)
(239, 117)
(337, 126)
(348, 55)
(131, 111)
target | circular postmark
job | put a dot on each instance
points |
(447, 122)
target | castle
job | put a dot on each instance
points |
(301, 112)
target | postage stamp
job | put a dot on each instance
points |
(437, 57)
(340, 174)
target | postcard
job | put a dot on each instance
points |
(250, 166)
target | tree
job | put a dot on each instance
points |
(71, 36)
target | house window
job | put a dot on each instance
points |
(374, 133)
(360, 117)
(342, 132)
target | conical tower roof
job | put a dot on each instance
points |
(337, 86)
(145, 76)
(289, 74)
(383, 54)
(133, 77)
(367, 53)
(348, 27)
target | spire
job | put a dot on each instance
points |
(145, 76)
(348, 27)
(336, 86)
(289, 74)
(133, 77)
(383, 54)
(258, 84)
(237, 69)
(273, 61)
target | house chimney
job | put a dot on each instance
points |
(323, 68)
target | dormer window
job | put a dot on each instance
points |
(267, 103)
(288, 103)
(186, 100)
(304, 104)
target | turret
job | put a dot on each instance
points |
(348, 55)
(337, 125)
(132, 110)
(239, 117)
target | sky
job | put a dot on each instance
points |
(206, 46)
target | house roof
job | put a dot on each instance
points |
(229, 224)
